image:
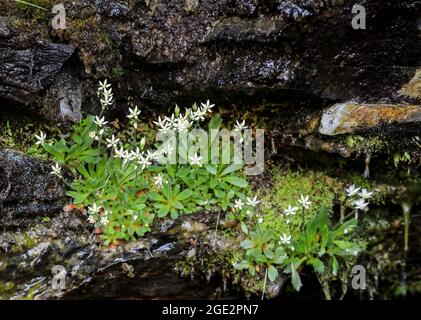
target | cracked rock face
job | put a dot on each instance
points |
(27, 69)
(165, 52)
(26, 189)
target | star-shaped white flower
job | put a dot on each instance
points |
(207, 108)
(238, 204)
(305, 202)
(162, 124)
(104, 220)
(56, 170)
(113, 142)
(252, 202)
(198, 115)
(240, 126)
(94, 209)
(104, 85)
(136, 154)
(159, 180)
(360, 204)
(171, 121)
(144, 162)
(100, 121)
(40, 138)
(133, 113)
(352, 190)
(183, 124)
(195, 160)
(92, 135)
(365, 194)
(290, 210)
(285, 239)
(91, 219)
(119, 153)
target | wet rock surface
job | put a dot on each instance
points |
(27, 189)
(37, 235)
(162, 52)
(27, 68)
(143, 269)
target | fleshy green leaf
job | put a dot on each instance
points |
(236, 181)
(272, 273)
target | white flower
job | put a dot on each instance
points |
(182, 124)
(360, 204)
(107, 98)
(100, 121)
(168, 149)
(198, 115)
(365, 194)
(285, 239)
(171, 121)
(195, 160)
(92, 135)
(290, 210)
(162, 124)
(207, 108)
(113, 142)
(352, 190)
(91, 219)
(104, 220)
(105, 94)
(252, 202)
(260, 220)
(159, 180)
(133, 113)
(144, 162)
(152, 155)
(119, 153)
(127, 156)
(135, 217)
(240, 126)
(103, 85)
(41, 138)
(238, 204)
(94, 209)
(56, 170)
(305, 202)
(136, 154)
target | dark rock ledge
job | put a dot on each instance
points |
(37, 235)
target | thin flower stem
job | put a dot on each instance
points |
(135, 180)
(303, 219)
(217, 224)
(256, 210)
(303, 227)
(264, 284)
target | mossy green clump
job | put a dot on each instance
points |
(217, 261)
(366, 145)
(286, 189)
(34, 11)
(22, 242)
(5, 289)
